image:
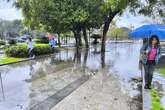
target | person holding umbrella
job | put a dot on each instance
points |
(152, 53)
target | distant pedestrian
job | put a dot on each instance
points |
(52, 42)
(152, 51)
(30, 47)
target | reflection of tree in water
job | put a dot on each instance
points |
(77, 56)
(31, 70)
(31, 67)
(117, 54)
(52, 60)
(85, 57)
(63, 56)
(96, 49)
(39, 70)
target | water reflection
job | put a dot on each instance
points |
(29, 83)
(77, 58)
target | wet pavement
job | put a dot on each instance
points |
(51, 101)
(28, 84)
(100, 92)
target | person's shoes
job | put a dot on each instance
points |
(146, 87)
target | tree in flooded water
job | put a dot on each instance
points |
(111, 8)
(59, 16)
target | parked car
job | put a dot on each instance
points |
(21, 40)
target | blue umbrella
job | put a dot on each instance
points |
(147, 31)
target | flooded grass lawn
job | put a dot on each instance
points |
(158, 92)
(156, 101)
(6, 60)
(162, 71)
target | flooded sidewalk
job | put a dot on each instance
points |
(76, 79)
(101, 92)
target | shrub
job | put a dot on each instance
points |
(20, 51)
(43, 40)
(41, 49)
(16, 51)
(2, 42)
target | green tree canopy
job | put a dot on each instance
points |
(64, 15)
(59, 16)
(111, 8)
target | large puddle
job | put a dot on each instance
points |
(25, 84)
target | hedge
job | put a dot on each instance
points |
(41, 40)
(20, 51)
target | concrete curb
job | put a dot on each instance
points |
(146, 95)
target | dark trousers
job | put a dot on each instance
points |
(30, 52)
(149, 68)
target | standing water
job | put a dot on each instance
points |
(26, 84)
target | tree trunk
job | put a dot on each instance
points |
(108, 19)
(75, 36)
(89, 36)
(77, 56)
(105, 30)
(66, 40)
(85, 59)
(85, 38)
(103, 59)
(78, 36)
(59, 41)
(80, 40)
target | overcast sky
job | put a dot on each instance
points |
(127, 20)
(8, 12)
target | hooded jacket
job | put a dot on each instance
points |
(148, 48)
